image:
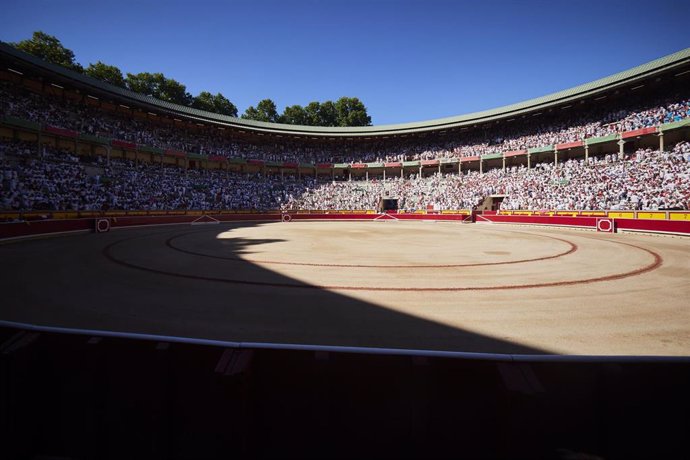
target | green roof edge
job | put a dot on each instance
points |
(597, 86)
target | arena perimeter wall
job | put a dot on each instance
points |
(681, 227)
(52, 226)
(65, 225)
(37, 227)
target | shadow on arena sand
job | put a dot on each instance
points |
(187, 283)
(85, 397)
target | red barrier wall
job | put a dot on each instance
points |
(37, 227)
(642, 225)
(456, 217)
(333, 216)
(589, 222)
(128, 221)
(16, 229)
(660, 226)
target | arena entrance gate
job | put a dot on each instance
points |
(388, 205)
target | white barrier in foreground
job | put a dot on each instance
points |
(346, 349)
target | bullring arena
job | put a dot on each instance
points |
(422, 285)
(555, 226)
(177, 283)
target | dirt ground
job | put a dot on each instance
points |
(421, 285)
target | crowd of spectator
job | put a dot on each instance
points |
(644, 180)
(43, 178)
(516, 135)
(33, 178)
(56, 180)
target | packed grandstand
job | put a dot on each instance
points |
(64, 149)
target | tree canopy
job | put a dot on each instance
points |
(159, 86)
(214, 103)
(346, 111)
(294, 115)
(265, 110)
(50, 49)
(351, 112)
(107, 73)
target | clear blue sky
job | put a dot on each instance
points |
(406, 60)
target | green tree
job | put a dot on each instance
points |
(328, 114)
(351, 112)
(214, 103)
(294, 115)
(107, 73)
(346, 111)
(204, 101)
(159, 86)
(49, 49)
(312, 112)
(321, 114)
(265, 111)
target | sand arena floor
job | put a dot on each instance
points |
(419, 285)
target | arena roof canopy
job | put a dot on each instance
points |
(667, 67)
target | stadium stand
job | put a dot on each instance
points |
(64, 150)
(69, 143)
(71, 116)
(644, 180)
(56, 180)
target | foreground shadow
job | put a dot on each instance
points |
(184, 281)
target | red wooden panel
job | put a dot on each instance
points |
(639, 132)
(569, 145)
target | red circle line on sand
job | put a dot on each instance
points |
(572, 248)
(658, 261)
